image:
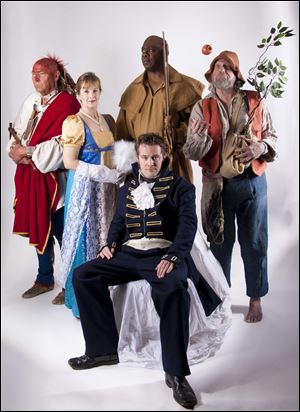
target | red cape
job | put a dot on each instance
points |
(37, 193)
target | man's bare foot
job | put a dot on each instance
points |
(255, 311)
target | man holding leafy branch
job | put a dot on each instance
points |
(231, 134)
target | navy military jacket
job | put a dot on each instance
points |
(173, 216)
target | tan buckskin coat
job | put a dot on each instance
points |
(142, 111)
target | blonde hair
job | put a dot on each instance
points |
(87, 78)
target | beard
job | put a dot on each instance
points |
(224, 84)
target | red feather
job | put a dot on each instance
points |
(58, 61)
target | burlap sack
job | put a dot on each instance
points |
(232, 167)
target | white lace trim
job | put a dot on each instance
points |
(92, 204)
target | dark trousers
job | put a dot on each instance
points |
(46, 260)
(170, 296)
(245, 199)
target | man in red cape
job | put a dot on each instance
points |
(40, 176)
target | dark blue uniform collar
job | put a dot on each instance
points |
(164, 169)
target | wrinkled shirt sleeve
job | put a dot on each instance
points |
(197, 145)
(47, 156)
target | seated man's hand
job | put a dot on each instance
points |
(106, 253)
(163, 268)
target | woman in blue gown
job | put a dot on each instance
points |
(88, 140)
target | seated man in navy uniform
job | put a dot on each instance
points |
(150, 238)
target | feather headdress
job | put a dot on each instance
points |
(65, 81)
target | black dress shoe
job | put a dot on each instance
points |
(182, 391)
(88, 362)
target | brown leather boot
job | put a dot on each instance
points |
(37, 289)
(60, 298)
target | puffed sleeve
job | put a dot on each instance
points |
(72, 131)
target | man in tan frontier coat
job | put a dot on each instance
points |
(143, 105)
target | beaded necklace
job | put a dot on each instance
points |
(98, 122)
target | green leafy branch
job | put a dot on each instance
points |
(267, 76)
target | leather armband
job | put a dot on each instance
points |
(30, 150)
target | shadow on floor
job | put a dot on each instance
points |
(240, 309)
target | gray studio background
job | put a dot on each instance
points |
(257, 365)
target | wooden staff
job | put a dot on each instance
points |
(168, 129)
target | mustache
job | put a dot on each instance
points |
(223, 84)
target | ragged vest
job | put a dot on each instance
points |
(212, 160)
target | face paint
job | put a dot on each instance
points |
(44, 76)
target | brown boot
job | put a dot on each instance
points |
(60, 298)
(37, 289)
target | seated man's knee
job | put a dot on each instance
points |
(79, 274)
(173, 285)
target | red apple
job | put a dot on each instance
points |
(206, 49)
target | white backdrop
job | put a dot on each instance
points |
(106, 37)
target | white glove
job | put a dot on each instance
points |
(97, 173)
